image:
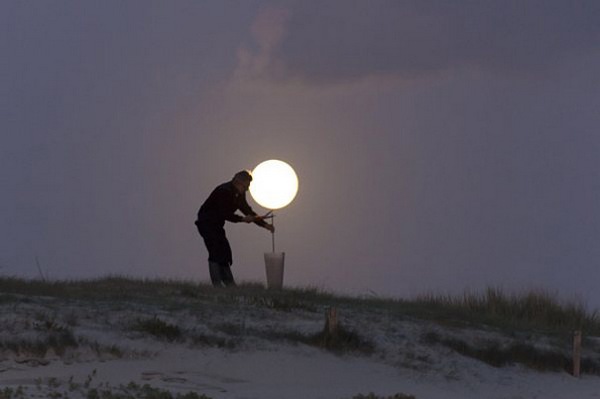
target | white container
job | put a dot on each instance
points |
(274, 267)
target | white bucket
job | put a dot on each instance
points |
(274, 268)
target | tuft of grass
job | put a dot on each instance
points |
(53, 388)
(158, 328)
(233, 329)
(13, 289)
(113, 350)
(105, 288)
(10, 393)
(497, 355)
(213, 341)
(373, 396)
(136, 391)
(342, 341)
(59, 341)
(538, 310)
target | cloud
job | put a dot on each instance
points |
(268, 31)
(339, 41)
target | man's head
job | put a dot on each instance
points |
(241, 180)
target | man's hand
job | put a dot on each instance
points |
(256, 218)
(251, 218)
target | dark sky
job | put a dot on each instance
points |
(440, 146)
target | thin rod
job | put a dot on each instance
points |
(273, 233)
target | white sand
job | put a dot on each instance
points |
(294, 372)
(313, 374)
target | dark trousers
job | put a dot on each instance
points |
(216, 243)
(219, 253)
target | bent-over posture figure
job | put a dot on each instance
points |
(220, 206)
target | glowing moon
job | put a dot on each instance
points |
(274, 184)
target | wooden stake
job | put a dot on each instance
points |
(331, 322)
(576, 353)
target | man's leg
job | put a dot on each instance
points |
(227, 276)
(215, 273)
(219, 254)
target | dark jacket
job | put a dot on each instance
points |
(222, 204)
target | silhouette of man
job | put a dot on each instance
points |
(220, 206)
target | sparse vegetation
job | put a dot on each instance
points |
(498, 355)
(373, 396)
(213, 341)
(519, 318)
(344, 341)
(158, 328)
(54, 388)
(58, 341)
(537, 310)
(10, 393)
(136, 391)
(341, 341)
(534, 310)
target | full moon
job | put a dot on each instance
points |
(274, 184)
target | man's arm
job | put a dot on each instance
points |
(252, 217)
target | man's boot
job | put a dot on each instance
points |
(227, 276)
(215, 274)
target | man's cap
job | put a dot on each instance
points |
(243, 175)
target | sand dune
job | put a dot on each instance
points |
(246, 346)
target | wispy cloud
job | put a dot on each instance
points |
(349, 40)
(268, 32)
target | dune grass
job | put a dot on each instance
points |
(525, 354)
(534, 310)
(158, 328)
(54, 388)
(344, 340)
(520, 318)
(373, 396)
(58, 341)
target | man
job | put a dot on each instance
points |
(220, 206)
